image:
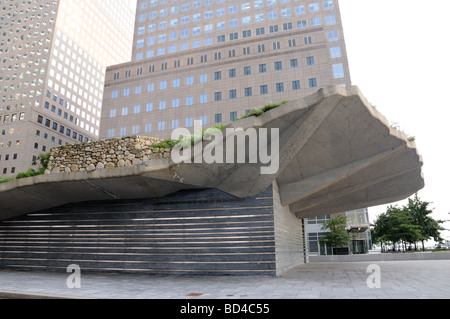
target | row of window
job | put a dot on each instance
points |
(12, 118)
(338, 72)
(218, 96)
(222, 25)
(61, 129)
(220, 12)
(184, 34)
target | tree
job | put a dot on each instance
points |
(380, 230)
(337, 235)
(408, 224)
(430, 228)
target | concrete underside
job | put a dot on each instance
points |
(336, 153)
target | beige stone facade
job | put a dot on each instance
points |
(215, 60)
(53, 58)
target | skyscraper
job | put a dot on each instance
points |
(214, 60)
(53, 59)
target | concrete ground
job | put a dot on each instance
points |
(428, 279)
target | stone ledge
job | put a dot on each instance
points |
(102, 154)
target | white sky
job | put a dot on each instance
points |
(398, 52)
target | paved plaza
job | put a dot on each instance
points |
(429, 279)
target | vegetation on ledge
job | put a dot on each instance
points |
(43, 160)
(169, 143)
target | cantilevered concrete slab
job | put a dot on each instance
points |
(336, 153)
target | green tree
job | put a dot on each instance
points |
(337, 235)
(429, 227)
(380, 230)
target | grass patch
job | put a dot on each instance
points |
(169, 143)
(264, 109)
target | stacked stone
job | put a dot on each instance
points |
(107, 153)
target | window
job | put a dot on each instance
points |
(189, 100)
(310, 60)
(232, 73)
(175, 124)
(112, 113)
(218, 75)
(279, 87)
(233, 94)
(161, 126)
(338, 71)
(313, 7)
(316, 21)
(162, 105)
(218, 96)
(333, 36)
(218, 118)
(189, 122)
(262, 68)
(301, 24)
(278, 66)
(247, 70)
(330, 20)
(203, 78)
(204, 120)
(335, 52)
(312, 82)
(294, 63)
(248, 92)
(296, 85)
(124, 111)
(287, 26)
(307, 39)
(263, 89)
(203, 98)
(233, 116)
(137, 109)
(138, 90)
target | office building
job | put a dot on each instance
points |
(53, 59)
(214, 60)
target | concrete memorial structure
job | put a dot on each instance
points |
(177, 211)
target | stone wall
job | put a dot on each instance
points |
(103, 154)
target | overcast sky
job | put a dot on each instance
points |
(398, 52)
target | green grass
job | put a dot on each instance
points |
(169, 143)
(264, 109)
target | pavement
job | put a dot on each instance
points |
(423, 279)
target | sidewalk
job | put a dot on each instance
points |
(399, 280)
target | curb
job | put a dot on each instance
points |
(6, 294)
